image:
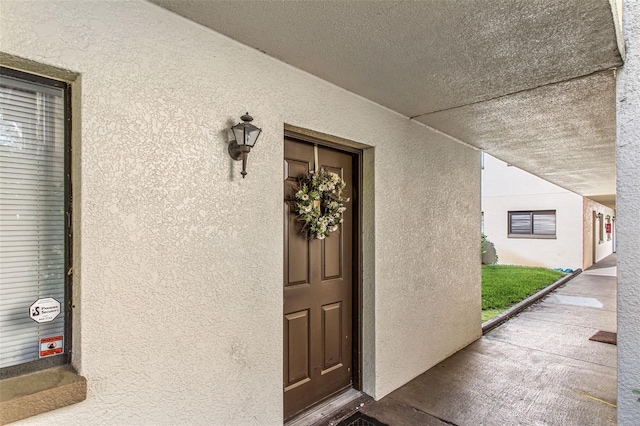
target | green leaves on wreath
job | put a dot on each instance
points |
(319, 203)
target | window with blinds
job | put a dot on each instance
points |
(34, 232)
(542, 223)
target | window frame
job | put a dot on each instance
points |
(65, 357)
(531, 234)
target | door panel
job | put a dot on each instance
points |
(296, 272)
(318, 289)
(332, 258)
(332, 335)
(297, 332)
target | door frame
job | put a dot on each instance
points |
(354, 149)
(594, 241)
(613, 234)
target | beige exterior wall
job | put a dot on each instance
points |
(178, 279)
(594, 248)
(506, 188)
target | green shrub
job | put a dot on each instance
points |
(485, 246)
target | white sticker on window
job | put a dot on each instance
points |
(44, 310)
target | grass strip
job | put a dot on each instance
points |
(505, 285)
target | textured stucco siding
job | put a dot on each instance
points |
(628, 220)
(179, 304)
(591, 236)
(506, 188)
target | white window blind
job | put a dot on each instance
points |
(32, 214)
(544, 223)
(520, 223)
(541, 222)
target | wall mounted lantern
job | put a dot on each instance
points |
(246, 135)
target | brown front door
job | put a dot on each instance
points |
(318, 286)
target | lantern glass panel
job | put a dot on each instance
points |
(251, 134)
(239, 133)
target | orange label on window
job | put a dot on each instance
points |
(53, 345)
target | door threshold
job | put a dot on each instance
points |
(333, 408)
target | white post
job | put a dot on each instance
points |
(628, 219)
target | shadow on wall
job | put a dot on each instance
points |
(490, 256)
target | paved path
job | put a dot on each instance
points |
(539, 368)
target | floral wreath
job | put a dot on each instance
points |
(319, 203)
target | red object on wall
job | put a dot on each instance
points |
(608, 227)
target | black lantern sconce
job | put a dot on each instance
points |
(246, 135)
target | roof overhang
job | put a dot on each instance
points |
(530, 82)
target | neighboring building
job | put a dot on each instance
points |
(533, 222)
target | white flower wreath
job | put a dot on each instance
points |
(319, 203)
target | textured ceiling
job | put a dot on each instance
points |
(562, 130)
(439, 56)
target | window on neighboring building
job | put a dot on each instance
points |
(540, 223)
(35, 220)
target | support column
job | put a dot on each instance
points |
(628, 219)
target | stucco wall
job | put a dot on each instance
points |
(628, 220)
(591, 239)
(506, 188)
(179, 306)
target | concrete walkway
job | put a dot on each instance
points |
(539, 368)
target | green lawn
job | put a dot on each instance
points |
(505, 285)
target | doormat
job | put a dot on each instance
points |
(359, 419)
(605, 337)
